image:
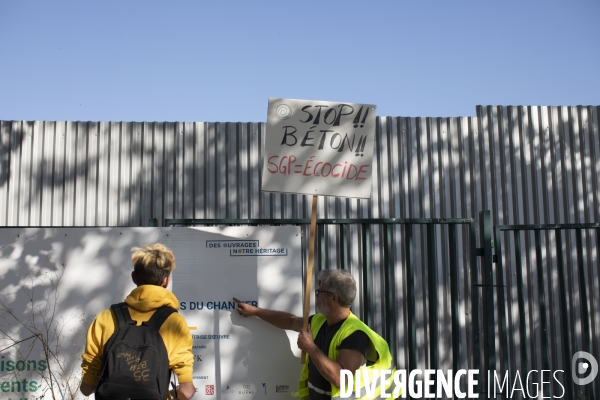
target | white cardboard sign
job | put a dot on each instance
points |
(56, 280)
(319, 148)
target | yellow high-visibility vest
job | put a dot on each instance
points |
(379, 355)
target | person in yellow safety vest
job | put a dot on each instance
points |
(336, 340)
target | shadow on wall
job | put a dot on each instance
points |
(57, 173)
(55, 281)
(12, 136)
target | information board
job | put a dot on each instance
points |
(54, 281)
(237, 357)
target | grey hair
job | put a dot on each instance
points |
(340, 282)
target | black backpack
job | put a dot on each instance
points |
(135, 362)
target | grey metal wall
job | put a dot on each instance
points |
(525, 164)
(544, 168)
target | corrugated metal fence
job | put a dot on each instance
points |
(528, 165)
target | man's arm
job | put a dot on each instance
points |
(86, 389)
(330, 369)
(185, 391)
(279, 319)
(97, 336)
(181, 359)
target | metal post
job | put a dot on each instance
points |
(542, 299)
(564, 315)
(453, 253)
(410, 288)
(389, 287)
(343, 245)
(475, 326)
(501, 303)
(489, 349)
(433, 298)
(368, 319)
(583, 300)
(521, 302)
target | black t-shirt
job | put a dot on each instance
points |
(358, 340)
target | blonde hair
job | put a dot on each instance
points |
(152, 263)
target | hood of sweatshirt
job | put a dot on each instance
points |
(150, 297)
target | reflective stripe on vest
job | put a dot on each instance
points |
(316, 389)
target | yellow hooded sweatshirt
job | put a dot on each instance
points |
(142, 303)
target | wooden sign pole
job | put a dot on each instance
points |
(309, 269)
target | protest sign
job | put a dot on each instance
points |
(319, 148)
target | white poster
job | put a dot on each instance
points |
(54, 281)
(319, 148)
(237, 357)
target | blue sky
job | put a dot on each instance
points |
(220, 61)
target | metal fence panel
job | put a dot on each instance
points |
(527, 164)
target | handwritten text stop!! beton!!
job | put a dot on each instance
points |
(323, 139)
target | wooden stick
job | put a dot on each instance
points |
(309, 270)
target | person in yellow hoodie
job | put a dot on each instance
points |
(152, 266)
(335, 340)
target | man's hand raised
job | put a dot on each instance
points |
(245, 309)
(279, 319)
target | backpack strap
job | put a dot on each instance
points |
(122, 313)
(159, 317)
